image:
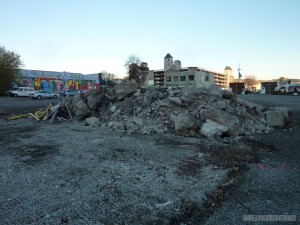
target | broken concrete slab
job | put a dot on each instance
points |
(76, 98)
(185, 124)
(286, 112)
(81, 110)
(211, 128)
(92, 121)
(123, 90)
(138, 120)
(94, 99)
(176, 100)
(226, 119)
(275, 118)
(113, 108)
(214, 89)
(278, 116)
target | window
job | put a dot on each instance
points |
(168, 78)
(191, 77)
(182, 78)
(175, 78)
(206, 78)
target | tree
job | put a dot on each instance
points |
(105, 77)
(250, 81)
(132, 59)
(282, 80)
(134, 71)
(10, 64)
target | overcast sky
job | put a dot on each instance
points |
(89, 36)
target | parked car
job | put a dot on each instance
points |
(69, 92)
(22, 91)
(42, 94)
(9, 92)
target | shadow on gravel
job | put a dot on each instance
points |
(32, 154)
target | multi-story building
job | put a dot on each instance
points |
(174, 74)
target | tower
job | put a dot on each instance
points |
(228, 71)
(168, 62)
(177, 64)
(228, 75)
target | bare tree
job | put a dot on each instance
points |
(105, 77)
(250, 81)
(112, 76)
(132, 59)
(136, 70)
(10, 64)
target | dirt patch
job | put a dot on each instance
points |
(227, 157)
(13, 132)
(259, 147)
(233, 158)
(31, 154)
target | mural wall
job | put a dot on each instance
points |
(56, 85)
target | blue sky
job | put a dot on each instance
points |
(89, 36)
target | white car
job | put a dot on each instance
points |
(21, 91)
(42, 94)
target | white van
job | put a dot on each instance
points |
(22, 91)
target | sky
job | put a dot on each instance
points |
(262, 37)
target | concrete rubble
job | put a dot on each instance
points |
(186, 111)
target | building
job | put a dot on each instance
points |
(174, 74)
(237, 87)
(53, 81)
(269, 86)
(191, 76)
(229, 78)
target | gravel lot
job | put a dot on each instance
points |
(271, 187)
(68, 173)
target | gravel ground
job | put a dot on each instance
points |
(271, 187)
(68, 173)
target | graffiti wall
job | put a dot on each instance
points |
(56, 85)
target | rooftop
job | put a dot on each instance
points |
(168, 56)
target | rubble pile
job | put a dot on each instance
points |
(187, 111)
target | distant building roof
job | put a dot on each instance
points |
(94, 76)
(227, 68)
(168, 56)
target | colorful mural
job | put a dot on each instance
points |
(55, 82)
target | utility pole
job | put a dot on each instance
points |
(239, 75)
(238, 78)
